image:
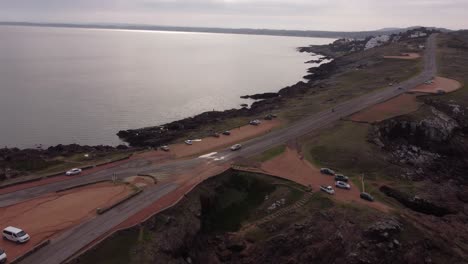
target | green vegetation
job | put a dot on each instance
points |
(351, 82)
(452, 59)
(344, 148)
(234, 203)
(271, 153)
(319, 201)
(114, 250)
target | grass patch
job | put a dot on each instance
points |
(345, 149)
(234, 202)
(114, 250)
(351, 83)
(271, 153)
(319, 201)
(256, 235)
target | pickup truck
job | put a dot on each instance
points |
(327, 189)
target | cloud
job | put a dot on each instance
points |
(300, 14)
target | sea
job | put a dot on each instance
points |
(74, 85)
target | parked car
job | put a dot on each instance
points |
(342, 185)
(327, 171)
(327, 189)
(367, 197)
(74, 171)
(15, 234)
(165, 148)
(3, 256)
(227, 133)
(236, 147)
(341, 177)
(188, 142)
(255, 122)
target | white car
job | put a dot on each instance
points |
(342, 185)
(74, 171)
(327, 189)
(236, 147)
(165, 148)
(255, 122)
(188, 142)
(3, 256)
(15, 234)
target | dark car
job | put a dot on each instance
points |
(341, 177)
(227, 133)
(327, 171)
(367, 197)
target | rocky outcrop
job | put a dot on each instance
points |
(260, 96)
(435, 129)
(416, 203)
(15, 162)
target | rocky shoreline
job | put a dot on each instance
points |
(267, 102)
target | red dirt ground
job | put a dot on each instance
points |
(57, 212)
(211, 143)
(439, 83)
(405, 56)
(292, 166)
(400, 105)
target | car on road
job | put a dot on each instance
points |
(255, 122)
(327, 171)
(227, 133)
(327, 189)
(236, 147)
(188, 142)
(341, 177)
(15, 234)
(366, 196)
(3, 256)
(74, 171)
(165, 148)
(400, 88)
(342, 185)
(215, 134)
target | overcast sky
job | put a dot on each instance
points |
(276, 14)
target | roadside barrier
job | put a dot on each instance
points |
(105, 209)
(31, 251)
(61, 173)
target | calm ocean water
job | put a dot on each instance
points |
(62, 85)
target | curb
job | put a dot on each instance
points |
(101, 211)
(80, 185)
(31, 251)
(61, 173)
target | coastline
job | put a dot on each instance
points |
(156, 136)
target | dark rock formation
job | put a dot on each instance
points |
(416, 203)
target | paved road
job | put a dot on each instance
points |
(73, 240)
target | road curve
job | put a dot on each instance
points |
(65, 245)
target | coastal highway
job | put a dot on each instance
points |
(71, 241)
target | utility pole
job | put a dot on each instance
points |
(363, 187)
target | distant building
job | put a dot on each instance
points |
(377, 41)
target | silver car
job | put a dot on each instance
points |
(236, 147)
(74, 171)
(342, 185)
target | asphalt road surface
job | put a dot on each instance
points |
(70, 242)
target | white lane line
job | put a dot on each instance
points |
(208, 156)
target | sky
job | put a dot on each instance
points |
(338, 15)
